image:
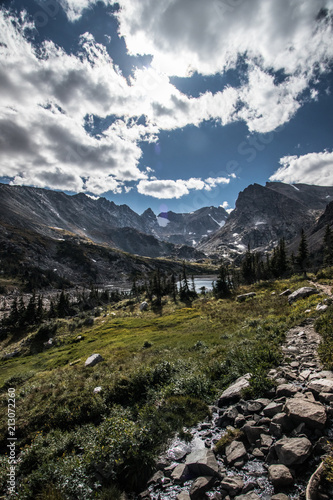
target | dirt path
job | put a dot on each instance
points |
(324, 288)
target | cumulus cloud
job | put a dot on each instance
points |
(293, 37)
(313, 168)
(165, 189)
(48, 96)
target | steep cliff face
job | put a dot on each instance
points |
(190, 228)
(264, 214)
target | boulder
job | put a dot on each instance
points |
(144, 306)
(232, 484)
(202, 462)
(302, 410)
(272, 409)
(93, 360)
(157, 478)
(321, 385)
(248, 496)
(280, 476)
(234, 391)
(200, 486)
(183, 495)
(280, 496)
(302, 293)
(321, 307)
(285, 292)
(244, 296)
(180, 474)
(253, 432)
(235, 452)
(292, 451)
(286, 390)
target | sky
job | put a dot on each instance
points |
(168, 104)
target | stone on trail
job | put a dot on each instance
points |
(248, 496)
(280, 476)
(93, 360)
(202, 462)
(292, 451)
(200, 486)
(232, 484)
(234, 391)
(301, 410)
(235, 452)
(321, 385)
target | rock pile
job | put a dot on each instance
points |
(278, 441)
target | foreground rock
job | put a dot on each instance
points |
(302, 410)
(93, 360)
(280, 476)
(234, 391)
(293, 451)
(302, 293)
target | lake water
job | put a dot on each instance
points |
(206, 281)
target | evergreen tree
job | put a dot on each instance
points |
(40, 309)
(14, 314)
(247, 267)
(302, 256)
(222, 287)
(328, 247)
(30, 315)
(63, 306)
(174, 287)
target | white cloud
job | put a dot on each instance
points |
(225, 205)
(74, 8)
(208, 37)
(176, 189)
(313, 168)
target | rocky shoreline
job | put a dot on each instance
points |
(274, 444)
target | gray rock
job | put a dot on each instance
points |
(232, 484)
(235, 452)
(286, 390)
(272, 409)
(258, 454)
(157, 478)
(252, 432)
(234, 391)
(183, 496)
(144, 306)
(285, 292)
(200, 486)
(321, 307)
(304, 411)
(244, 296)
(202, 462)
(321, 385)
(93, 360)
(302, 293)
(291, 451)
(248, 496)
(280, 476)
(280, 496)
(180, 474)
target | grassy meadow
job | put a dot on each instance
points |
(161, 371)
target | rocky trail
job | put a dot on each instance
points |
(278, 442)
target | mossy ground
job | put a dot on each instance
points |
(160, 369)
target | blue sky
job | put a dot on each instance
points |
(173, 104)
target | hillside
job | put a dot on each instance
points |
(264, 214)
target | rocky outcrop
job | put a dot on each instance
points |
(265, 214)
(279, 441)
(93, 360)
(302, 293)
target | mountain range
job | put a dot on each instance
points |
(82, 238)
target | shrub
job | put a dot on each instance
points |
(226, 439)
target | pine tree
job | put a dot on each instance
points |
(222, 287)
(14, 314)
(247, 267)
(328, 247)
(174, 287)
(30, 315)
(40, 309)
(63, 307)
(302, 256)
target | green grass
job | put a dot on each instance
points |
(158, 374)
